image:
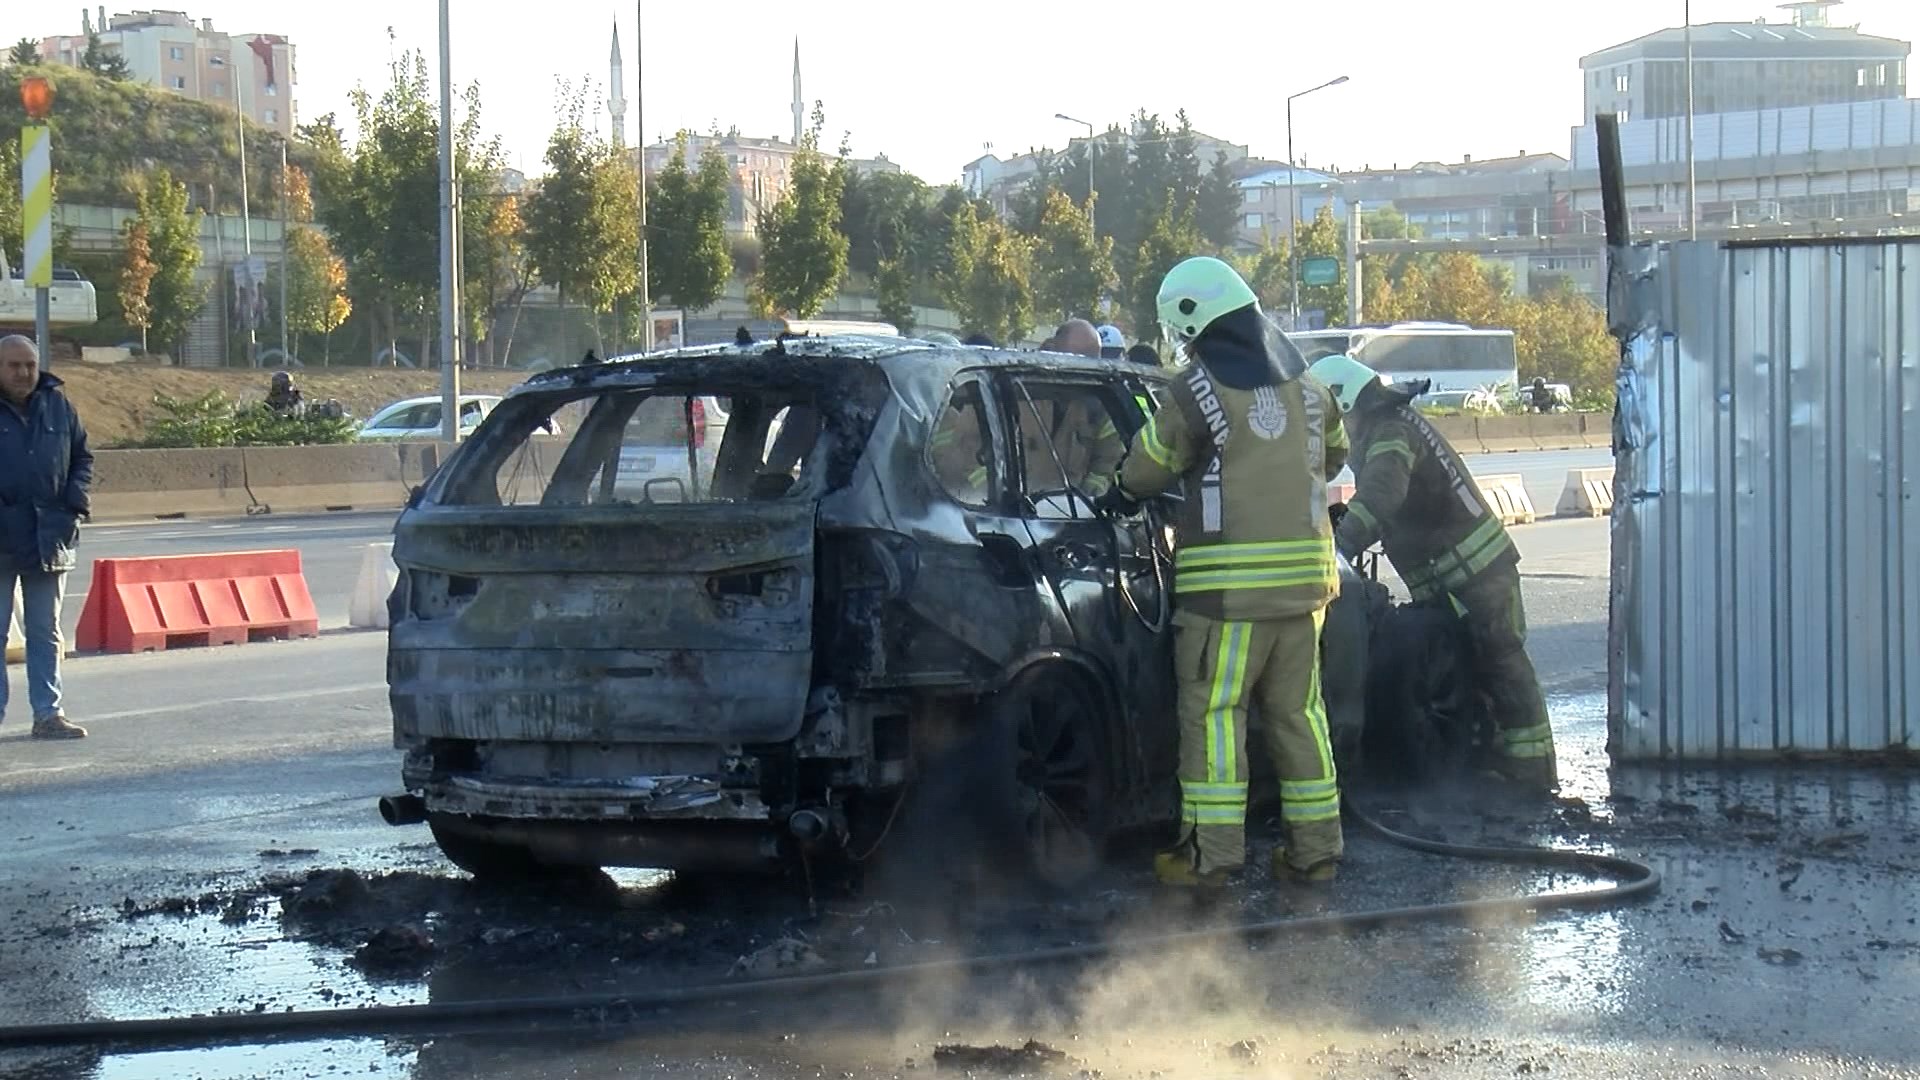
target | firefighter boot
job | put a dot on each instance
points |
(1179, 868)
(1320, 873)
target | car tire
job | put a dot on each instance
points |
(1423, 721)
(1047, 781)
(486, 860)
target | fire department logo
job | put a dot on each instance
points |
(1267, 417)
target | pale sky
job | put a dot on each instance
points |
(1429, 81)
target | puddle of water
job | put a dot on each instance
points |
(346, 1057)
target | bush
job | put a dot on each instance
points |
(212, 420)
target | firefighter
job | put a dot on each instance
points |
(1249, 439)
(1414, 495)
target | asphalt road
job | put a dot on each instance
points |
(1783, 944)
(331, 545)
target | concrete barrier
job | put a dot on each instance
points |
(1505, 434)
(1461, 432)
(378, 576)
(169, 483)
(1588, 493)
(1596, 430)
(1557, 431)
(16, 638)
(1507, 494)
(351, 477)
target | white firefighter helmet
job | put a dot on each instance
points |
(1345, 376)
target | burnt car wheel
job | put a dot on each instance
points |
(484, 859)
(1423, 721)
(1051, 807)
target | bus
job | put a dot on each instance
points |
(1451, 356)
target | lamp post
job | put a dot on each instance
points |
(449, 246)
(1092, 207)
(640, 155)
(286, 221)
(36, 204)
(1293, 208)
(1693, 200)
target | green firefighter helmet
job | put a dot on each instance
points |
(1198, 291)
(1343, 375)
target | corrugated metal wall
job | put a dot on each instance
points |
(1766, 534)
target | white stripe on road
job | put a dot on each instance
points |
(261, 699)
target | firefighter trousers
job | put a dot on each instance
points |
(1224, 668)
(1497, 626)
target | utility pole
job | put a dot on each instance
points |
(640, 156)
(1693, 199)
(286, 218)
(246, 212)
(449, 246)
(36, 198)
(1092, 205)
(1355, 292)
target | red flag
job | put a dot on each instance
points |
(262, 47)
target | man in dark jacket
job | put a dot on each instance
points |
(1414, 495)
(45, 473)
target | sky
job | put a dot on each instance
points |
(1427, 81)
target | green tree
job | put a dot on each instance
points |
(317, 301)
(688, 258)
(987, 284)
(882, 216)
(11, 225)
(893, 288)
(136, 277)
(1269, 273)
(102, 61)
(25, 51)
(1461, 289)
(173, 297)
(803, 251)
(1217, 209)
(1071, 269)
(1563, 337)
(583, 225)
(1169, 239)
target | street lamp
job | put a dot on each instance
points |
(449, 246)
(1293, 207)
(1092, 207)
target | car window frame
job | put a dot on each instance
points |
(1116, 391)
(997, 481)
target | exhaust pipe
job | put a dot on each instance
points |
(812, 827)
(403, 809)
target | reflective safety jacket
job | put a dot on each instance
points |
(1414, 495)
(1254, 540)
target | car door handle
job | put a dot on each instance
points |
(1074, 556)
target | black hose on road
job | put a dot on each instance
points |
(1635, 881)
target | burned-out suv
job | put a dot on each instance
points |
(884, 584)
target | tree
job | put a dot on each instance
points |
(1562, 337)
(583, 225)
(987, 285)
(173, 297)
(1071, 270)
(803, 251)
(317, 301)
(102, 61)
(688, 258)
(1461, 290)
(136, 278)
(11, 227)
(1324, 237)
(25, 51)
(1270, 272)
(893, 286)
(1217, 209)
(1169, 239)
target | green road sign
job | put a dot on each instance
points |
(1319, 270)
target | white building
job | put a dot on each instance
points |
(167, 49)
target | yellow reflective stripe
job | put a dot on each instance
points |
(1300, 814)
(1308, 789)
(1157, 450)
(1391, 446)
(978, 476)
(1229, 669)
(1216, 815)
(1305, 560)
(943, 437)
(1317, 711)
(1200, 791)
(1231, 581)
(1229, 552)
(1363, 515)
(1146, 405)
(1337, 438)
(1534, 740)
(1106, 430)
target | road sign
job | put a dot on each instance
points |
(1319, 270)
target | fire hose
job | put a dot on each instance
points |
(1632, 881)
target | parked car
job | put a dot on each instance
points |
(1476, 402)
(419, 418)
(879, 583)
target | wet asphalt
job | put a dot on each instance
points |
(214, 847)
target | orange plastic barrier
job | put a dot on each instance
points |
(229, 598)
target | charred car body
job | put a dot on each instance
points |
(888, 564)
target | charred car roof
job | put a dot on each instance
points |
(818, 357)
